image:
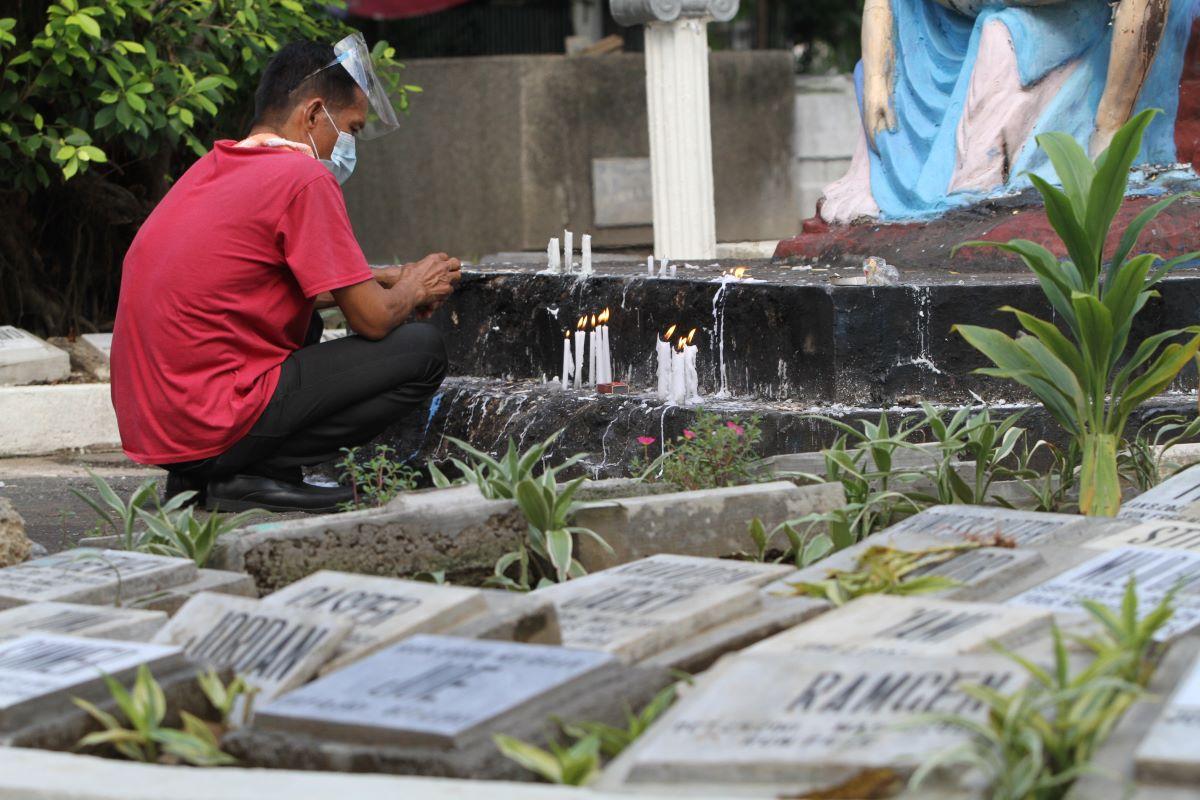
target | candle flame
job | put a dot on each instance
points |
(567, 333)
(691, 337)
(593, 321)
(740, 272)
(682, 344)
(670, 332)
(582, 322)
(604, 315)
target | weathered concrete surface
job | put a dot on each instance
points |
(217, 581)
(710, 522)
(25, 359)
(45, 419)
(513, 617)
(455, 530)
(601, 698)
(545, 118)
(14, 544)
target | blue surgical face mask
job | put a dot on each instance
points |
(343, 158)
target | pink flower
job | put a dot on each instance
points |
(688, 434)
(733, 426)
(646, 441)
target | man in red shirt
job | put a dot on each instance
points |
(217, 370)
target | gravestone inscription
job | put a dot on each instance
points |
(1169, 753)
(381, 610)
(1104, 578)
(105, 622)
(91, 577)
(910, 626)
(427, 690)
(811, 723)
(1022, 528)
(24, 358)
(273, 647)
(645, 606)
(1164, 534)
(1178, 497)
(41, 672)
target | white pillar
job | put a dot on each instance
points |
(680, 139)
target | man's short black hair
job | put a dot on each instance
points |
(293, 65)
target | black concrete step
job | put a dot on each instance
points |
(486, 412)
(787, 333)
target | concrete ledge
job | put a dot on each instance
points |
(39, 775)
(44, 419)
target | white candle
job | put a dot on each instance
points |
(607, 367)
(678, 376)
(586, 243)
(553, 257)
(650, 266)
(593, 354)
(604, 357)
(673, 270)
(663, 349)
(579, 345)
(662, 268)
(568, 365)
(693, 379)
(568, 251)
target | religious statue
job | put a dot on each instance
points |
(953, 92)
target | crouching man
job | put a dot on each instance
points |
(218, 373)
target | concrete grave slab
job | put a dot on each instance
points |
(275, 648)
(427, 691)
(709, 522)
(216, 581)
(1178, 497)
(1024, 528)
(100, 342)
(794, 726)
(917, 626)
(641, 608)
(92, 577)
(41, 672)
(1169, 754)
(1158, 534)
(512, 617)
(382, 611)
(1104, 576)
(75, 619)
(24, 359)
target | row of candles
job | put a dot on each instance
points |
(564, 261)
(678, 381)
(591, 345)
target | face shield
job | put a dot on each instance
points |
(352, 54)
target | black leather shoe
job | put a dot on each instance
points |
(178, 482)
(245, 492)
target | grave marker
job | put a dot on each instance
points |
(428, 690)
(93, 577)
(381, 610)
(918, 626)
(105, 622)
(1178, 498)
(643, 607)
(812, 723)
(1169, 752)
(1103, 579)
(1157, 534)
(275, 648)
(24, 358)
(41, 672)
(1024, 528)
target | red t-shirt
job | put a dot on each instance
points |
(217, 290)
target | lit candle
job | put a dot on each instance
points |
(568, 251)
(605, 353)
(593, 355)
(553, 257)
(579, 345)
(679, 373)
(693, 379)
(650, 266)
(663, 348)
(586, 243)
(568, 361)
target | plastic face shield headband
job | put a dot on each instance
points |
(352, 54)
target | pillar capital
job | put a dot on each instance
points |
(645, 12)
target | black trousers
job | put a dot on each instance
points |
(331, 395)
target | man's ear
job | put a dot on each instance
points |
(312, 112)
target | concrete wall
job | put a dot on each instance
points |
(497, 153)
(826, 133)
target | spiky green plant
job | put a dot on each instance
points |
(1075, 373)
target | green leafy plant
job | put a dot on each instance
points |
(1037, 740)
(886, 570)
(498, 478)
(377, 481)
(1075, 373)
(181, 534)
(1143, 461)
(970, 436)
(714, 452)
(802, 550)
(547, 554)
(121, 516)
(614, 740)
(228, 698)
(1049, 487)
(144, 707)
(576, 765)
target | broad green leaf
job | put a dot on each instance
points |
(1075, 171)
(86, 24)
(1133, 232)
(558, 547)
(1112, 176)
(1070, 230)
